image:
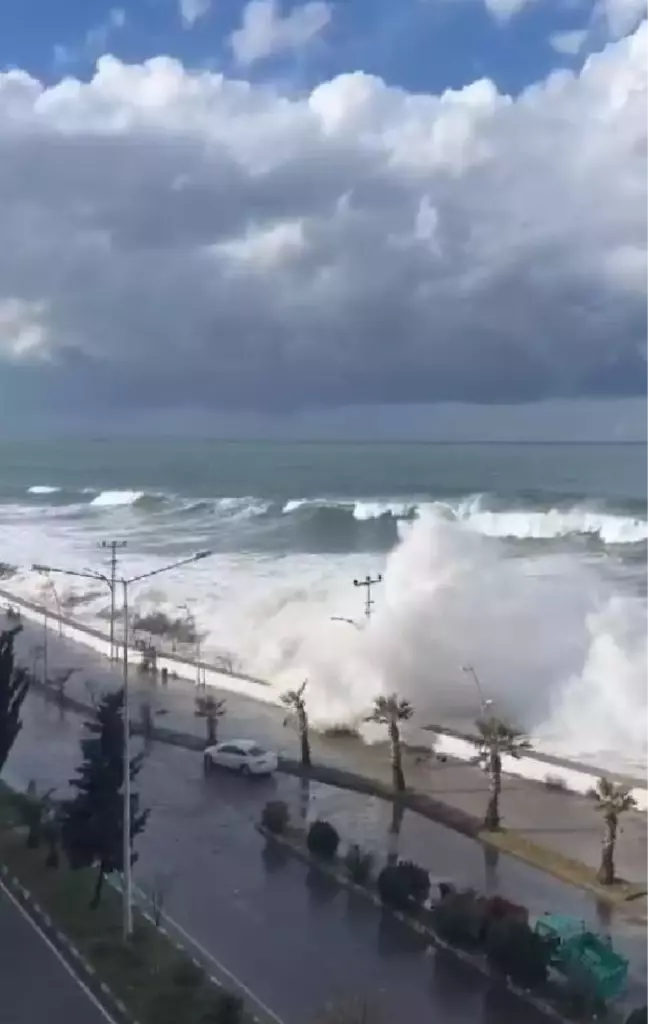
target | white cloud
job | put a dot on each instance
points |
(569, 43)
(192, 10)
(97, 38)
(183, 237)
(620, 16)
(265, 31)
(23, 335)
(504, 10)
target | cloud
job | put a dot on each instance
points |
(570, 43)
(620, 16)
(265, 32)
(175, 238)
(192, 10)
(97, 38)
(504, 10)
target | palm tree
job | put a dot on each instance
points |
(294, 699)
(613, 800)
(211, 710)
(390, 711)
(495, 738)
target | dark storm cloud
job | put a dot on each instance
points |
(178, 239)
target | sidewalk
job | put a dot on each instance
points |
(560, 821)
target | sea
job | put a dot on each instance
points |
(514, 573)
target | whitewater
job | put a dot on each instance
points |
(541, 590)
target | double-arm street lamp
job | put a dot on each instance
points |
(125, 583)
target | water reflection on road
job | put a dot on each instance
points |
(289, 934)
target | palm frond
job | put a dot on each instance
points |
(495, 732)
(613, 798)
(389, 708)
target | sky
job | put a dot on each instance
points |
(328, 215)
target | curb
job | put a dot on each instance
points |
(115, 883)
(471, 960)
(68, 950)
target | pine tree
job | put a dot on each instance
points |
(14, 683)
(92, 821)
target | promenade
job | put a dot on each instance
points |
(564, 822)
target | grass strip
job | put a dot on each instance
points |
(562, 867)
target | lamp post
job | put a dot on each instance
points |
(50, 583)
(485, 702)
(125, 583)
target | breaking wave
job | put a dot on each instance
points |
(328, 519)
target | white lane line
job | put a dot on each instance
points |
(57, 954)
(190, 940)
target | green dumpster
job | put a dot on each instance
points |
(580, 951)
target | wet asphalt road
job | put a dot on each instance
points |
(58, 997)
(278, 927)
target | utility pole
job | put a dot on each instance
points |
(368, 582)
(113, 545)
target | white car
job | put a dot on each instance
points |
(244, 756)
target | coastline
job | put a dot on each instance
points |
(538, 766)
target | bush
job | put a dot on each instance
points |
(460, 917)
(418, 881)
(323, 840)
(275, 817)
(187, 975)
(403, 884)
(514, 949)
(342, 732)
(359, 865)
(224, 1008)
(392, 887)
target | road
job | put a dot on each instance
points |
(277, 927)
(27, 955)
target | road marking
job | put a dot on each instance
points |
(57, 954)
(220, 967)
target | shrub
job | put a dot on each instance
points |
(342, 732)
(460, 917)
(518, 952)
(223, 1008)
(417, 879)
(392, 887)
(187, 975)
(358, 864)
(404, 884)
(323, 840)
(275, 817)
(555, 783)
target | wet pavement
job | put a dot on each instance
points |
(289, 935)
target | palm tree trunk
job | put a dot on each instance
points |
(394, 832)
(211, 729)
(606, 871)
(304, 740)
(96, 896)
(492, 818)
(398, 778)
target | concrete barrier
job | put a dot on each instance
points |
(545, 768)
(100, 642)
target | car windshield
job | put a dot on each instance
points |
(256, 751)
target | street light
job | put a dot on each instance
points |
(125, 582)
(484, 701)
(349, 622)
